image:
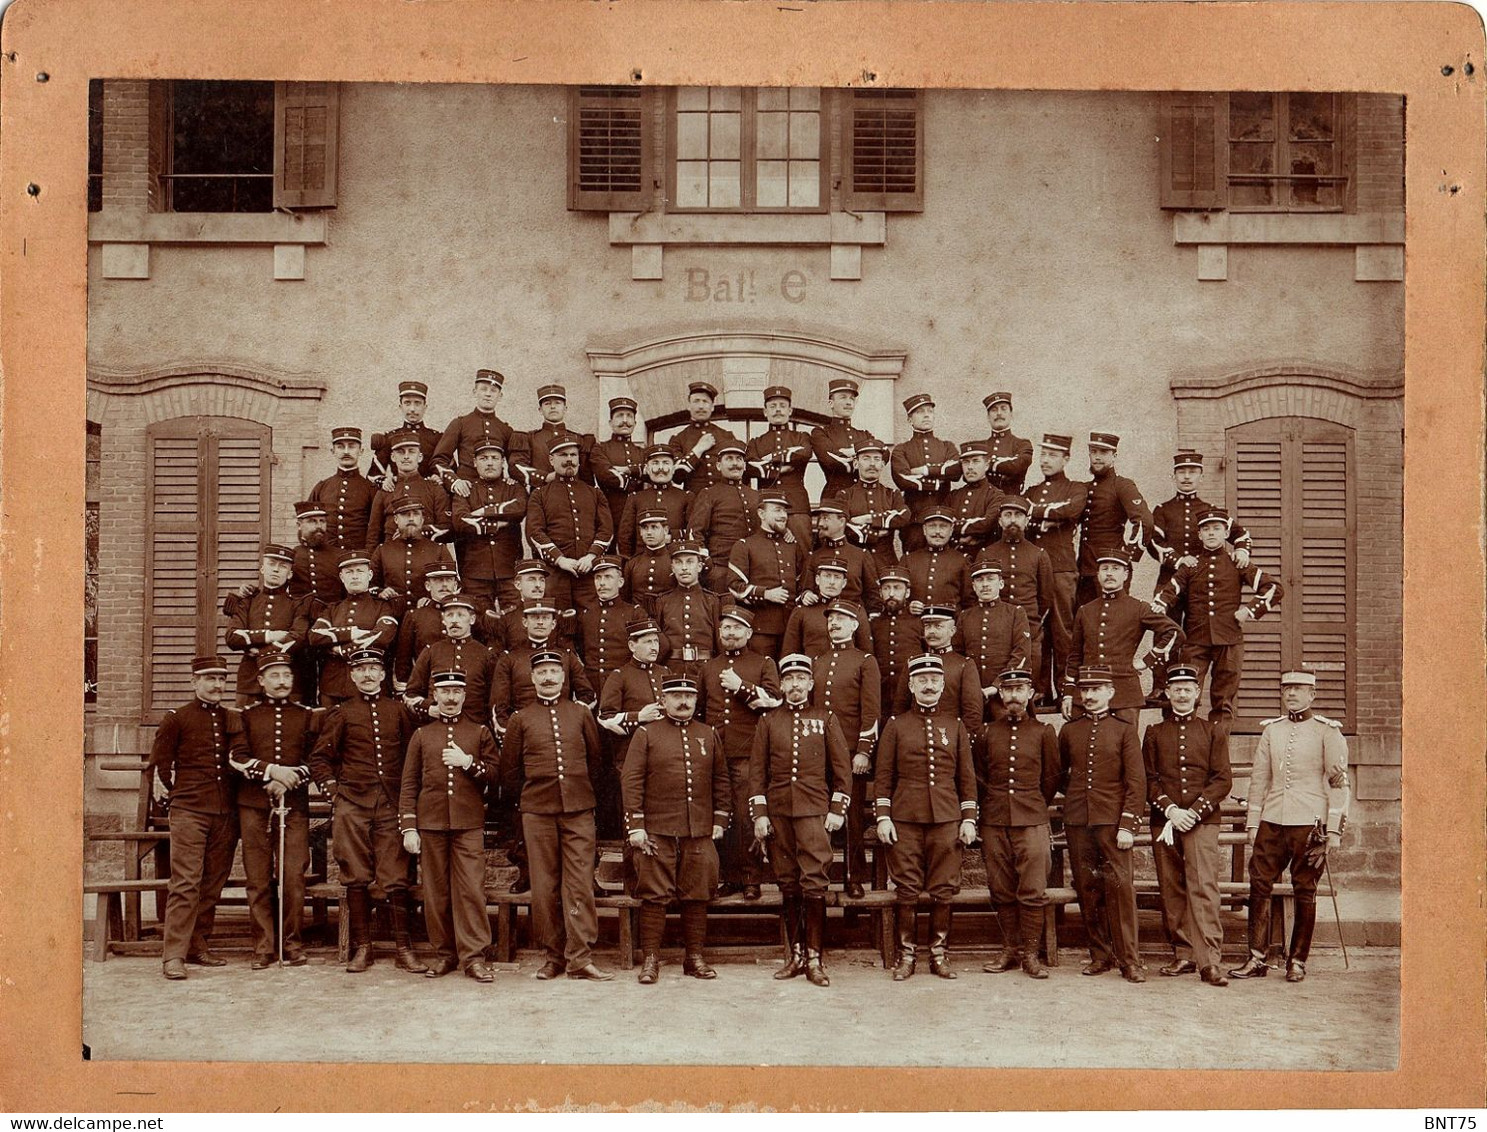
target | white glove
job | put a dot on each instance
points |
(886, 833)
(761, 829)
(967, 831)
(834, 822)
(411, 842)
(1166, 837)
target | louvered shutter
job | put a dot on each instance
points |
(883, 149)
(610, 148)
(208, 509)
(306, 125)
(1194, 150)
(1289, 480)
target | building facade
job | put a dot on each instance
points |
(1219, 271)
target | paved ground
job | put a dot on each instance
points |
(1337, 1019)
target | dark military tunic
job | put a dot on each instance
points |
(253, 618)
(356, 612)
(400, 563)
(939, 576)
(1057, 509)
(609, 455)
(1017, 765)
(429, 493)
(862, 571)
(316, 574)
(668, 498)
(722, 514)
(688, 616)
(189, 756)
(531, 453)
(962, 687)
(777, 459)
(806, 632)
(466, 655)
(648, 576)
(925, 449)
(347, 498)
(511, 685)
(976, 509)
(1113, 500)
(487, 529)
(1107, 631)
(629, 688)
(874, 512)
(896, 637)
(993, 637)
(428, 441)
(1104, 782)
(835, 447)
(455, 454)
(1174, 532)
(603, 637)
(759, 563)
(699, 473)
(1011, 457)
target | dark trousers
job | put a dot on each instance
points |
(491, 593)
(608, 805)
(260, 867)
(368, 847)
(560, 854)
(925, 858)
(739, 865)
(1276, 848)
(801, 854)
(1226, 663)
(1059, 630)
(568, 592)
(201, 852)
(1188, 879)
(1107, 898)
(679, 868)
(855, 857)
(1017, 859)
(454, 893)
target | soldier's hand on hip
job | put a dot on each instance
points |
(462, 489)
(717, 833)
(761, 829)
(886, 833)
(834, 822)
(411, 843)
(1124, 839)
(967, 832)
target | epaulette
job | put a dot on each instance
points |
(1277, 719)
(1330, 722)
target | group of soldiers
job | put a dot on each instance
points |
(672, 646)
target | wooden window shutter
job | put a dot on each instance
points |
(883, 149)
(611, 148)
(208, 500)
(1288, 478)
(306, 127)
(1194, 150)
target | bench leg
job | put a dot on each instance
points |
(627, 938)
(343, 931)
(505, 914)
(1050, 935)
(108, 916)
(1276, 946)
(887, 941)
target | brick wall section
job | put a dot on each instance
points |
(126, 144)
(1379, 166)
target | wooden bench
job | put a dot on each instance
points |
(108, 927)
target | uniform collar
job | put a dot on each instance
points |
(548, 703)
(1111, 597)
(1299, 716)
(1183, 718)
(922, 710)
(780, 427)
(209, 707)
(1096, 716)
(798, 707)
(998, 433)
(373, 698)
(1187, 495)
(733, 652)
(1105, 475)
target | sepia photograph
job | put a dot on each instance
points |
(609, 545)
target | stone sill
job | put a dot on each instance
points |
(206, 228)
(1377, 238)
(846, 233)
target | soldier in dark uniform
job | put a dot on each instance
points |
(836, 443)
(1056, 507)
(800, 777)
(1187, 780)
(697, 444)
(1175, 542)
(548, 753)
(455, 455)
(347, 495)
(1298, 809)
(603, 628)
(456, 651)
(736, 688)
(805, 632)
(861, 583)
(765, 569)
(192, 775)
(1108, 631)
(723, 513)
(269, 620)
(422, 625)
(413, 400)
(962, 681)
(925, 786)
(487, 530)
(678, 804)
(269, 746)
(938, 573)
(657, 494)
(993, 634)
(618, 463)
(1017, 769)
(688, 613)
(1114, 514)
(441, 812)
(569, 526)
(777, 460)
(358, 763)
(316, 573)
(849, 685)
(1011, 456)
(975, 506)
(512, 686)
(1104, 789)
(1027, 575)
(924, 467)
(532, 452)
(648, 571)
(874, 510)
(629, 697)
(399, 563)
(1211, 589)
(403, 483)
(897, 633)
(359, 620)
(532, 580)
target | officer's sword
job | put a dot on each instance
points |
(281, 811)
(1336, 914)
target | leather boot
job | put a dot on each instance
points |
(1301, 933)
(1032, 932)
(815, 931)
(1011, 957)
(652, 927)
(905, 916)
(359, 909)
(939, 941)
(650, 969)
(794, 946)
(401, 917)
(694, 936)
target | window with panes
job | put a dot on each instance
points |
(742, 149)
